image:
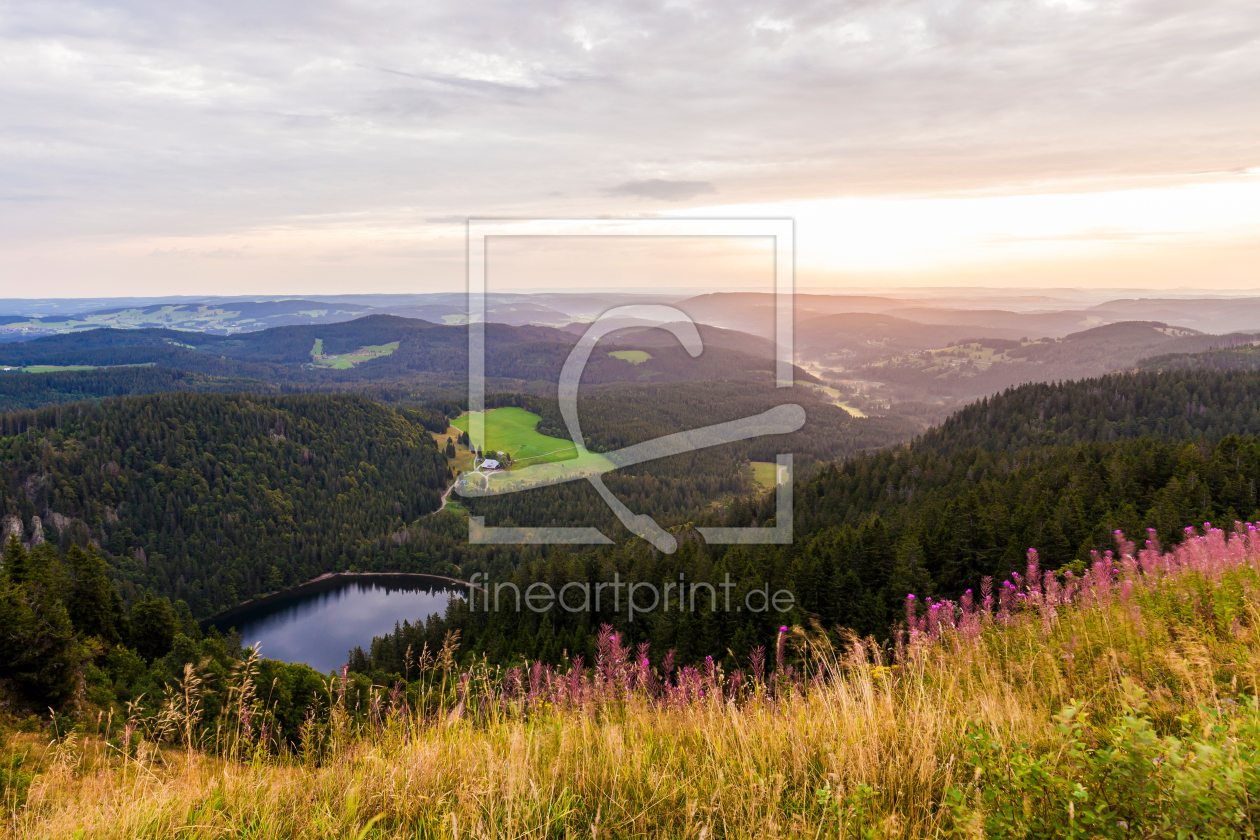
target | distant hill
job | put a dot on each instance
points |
(754, 312)
(23, 320)
(420, 351)
(856, 338)
(1210, 315)
(1238, 352)
(985, 366)
(1000, 323)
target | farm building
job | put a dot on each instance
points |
(490, 464)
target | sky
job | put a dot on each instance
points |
(154, 148)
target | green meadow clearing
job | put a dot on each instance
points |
(513, 430)
(537, 459)
(345, 361)
(634, 357)
(764, 473)
(60, 368)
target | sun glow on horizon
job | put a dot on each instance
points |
(944, 233)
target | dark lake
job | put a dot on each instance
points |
(318, 623)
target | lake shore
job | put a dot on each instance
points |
(330, 580)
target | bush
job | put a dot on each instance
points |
(1123, 780)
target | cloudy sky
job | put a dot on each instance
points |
(286, 147)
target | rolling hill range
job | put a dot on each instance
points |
(1033, 317)
(22, 320)
(753, 312)
(858, 338)
(388, 348)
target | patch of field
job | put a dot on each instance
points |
(764, 473)
(834, 395)
(825, 389)
(463, 455)
(59, 368)
(512, 430)
(345, 361)
(634, 357)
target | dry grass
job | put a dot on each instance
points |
(867, 752)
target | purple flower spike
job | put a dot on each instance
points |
(910, 597)
(782, 629)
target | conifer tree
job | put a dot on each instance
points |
(153, 627)
(92, 603)
(16, 561)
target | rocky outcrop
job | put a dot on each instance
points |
(10, 526)
(37, 532)
(59, 522)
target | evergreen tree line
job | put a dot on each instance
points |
(1244, 357)
(1174, 405)
(20, 391)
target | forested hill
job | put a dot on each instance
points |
(1174, 405)
(34, 390)
(932, 517)
(1058, 468)
(1238, 357)
(214, 498)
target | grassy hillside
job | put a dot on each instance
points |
(1120, 703)
(514, 430)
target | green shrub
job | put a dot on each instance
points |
(1123, 779)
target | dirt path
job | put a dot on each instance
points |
(445, 497)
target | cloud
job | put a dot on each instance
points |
(135, 120)
(661, 190)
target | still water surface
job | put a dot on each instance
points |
(319, 623)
